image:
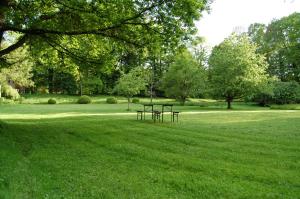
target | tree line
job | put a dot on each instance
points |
(146, 48)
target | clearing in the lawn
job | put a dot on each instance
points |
(217, 154)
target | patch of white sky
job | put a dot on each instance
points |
(227, 16)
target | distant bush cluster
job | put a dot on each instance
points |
(135, 100)
(279, 93)
(111, 100)
(84, 100)
(52, 101)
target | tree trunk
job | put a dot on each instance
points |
(182, 101)
(51, 80)
(80, 92)
(80, 84)
(229, 100)
(128, 99)
(151, 92)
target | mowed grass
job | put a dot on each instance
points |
(226, 154)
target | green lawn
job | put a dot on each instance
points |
(217, 154)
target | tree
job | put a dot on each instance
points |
(256, 33)
(283, 47)
(279, 42)
(235, 69)
(132, 83)
(126, 22)
(184, 78)
(16, 72)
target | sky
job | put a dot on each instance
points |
(229, 15)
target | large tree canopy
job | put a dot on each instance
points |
(235, 69)
(280, 42)
(136, 22)
(184, 78)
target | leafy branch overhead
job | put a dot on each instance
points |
(134, 22)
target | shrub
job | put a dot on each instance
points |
(111, 100)
(264, 94)
(51, 101)
(135, 100)
(43, 90)
(21, 100)
(10, 92)
(263, 98)
(84, 100)
(286, 92)
(286, 107)
(2, 100)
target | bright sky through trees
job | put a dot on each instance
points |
(228, 15)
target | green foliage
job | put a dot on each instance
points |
(286, 107)
(264, 93)
(256, 33)
(10, 93)
(279, 41)
(283, 47)
(92, 85)
(2, 100)
(52, 101)
(286, 92)
(21, 100)
(132, 83)
(84, 100)
(111, 100)
(184, 78)
(18, 69)
(135, 100)
(74, 25)
(42, 90)
(235, 69)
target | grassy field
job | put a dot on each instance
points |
(211, 154)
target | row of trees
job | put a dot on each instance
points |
(69, 47)
(243, 66)
(83, 46)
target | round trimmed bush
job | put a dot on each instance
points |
(84, 100)
(51, 101)
(135, 100)
(111, 100)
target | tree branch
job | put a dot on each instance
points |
(100, 31)
(14, 46)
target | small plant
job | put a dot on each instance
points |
(135, 100)
(111, 100)
(51, 101)
(84, 100)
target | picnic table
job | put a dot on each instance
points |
(157, 114)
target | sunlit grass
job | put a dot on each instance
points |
(71, 151)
